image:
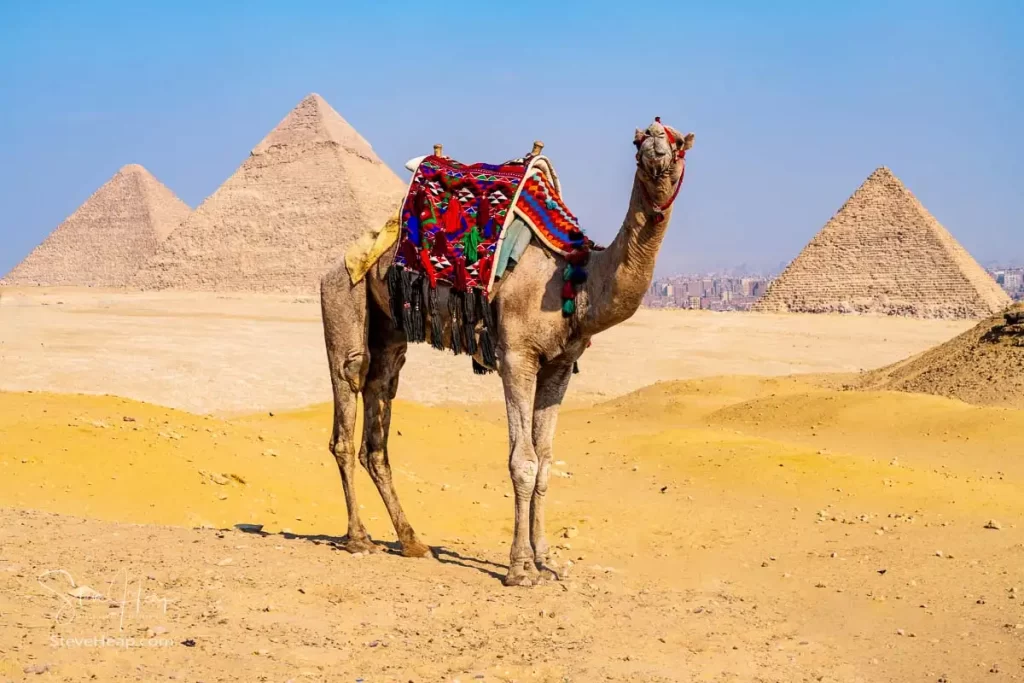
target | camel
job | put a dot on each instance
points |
(536, 348)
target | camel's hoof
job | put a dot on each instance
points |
(522, 580)
(522, 574)
(548, 573)
(415, 549)
(360, 545)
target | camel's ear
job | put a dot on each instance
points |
(687, 142)
(638, 137)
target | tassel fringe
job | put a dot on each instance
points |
(415, 306)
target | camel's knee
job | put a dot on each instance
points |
(376, 462)
(523, 470)
(354, 369)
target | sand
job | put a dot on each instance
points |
(232, 353)
(728, 528)
(984, 365)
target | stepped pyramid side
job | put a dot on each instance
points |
(884, 253)
(105, 241)
(307, 191)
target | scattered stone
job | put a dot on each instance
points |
(188, 642)
(85, 593)
(993, 524)
(36, 669)
(938, 553)
(225, 562)
(270, 452)
(128, 418)
(570, 532)
(899, 632)
(445, 487)
(156, 631)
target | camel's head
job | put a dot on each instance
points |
(659, 157)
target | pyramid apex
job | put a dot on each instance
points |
(133, 169)
(314, 121)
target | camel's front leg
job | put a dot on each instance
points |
(552, 382)
(519, 377)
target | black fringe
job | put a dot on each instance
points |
(486, 312)
(575, 368)
(480, 369)
(417, 310)
(469, 306)
(436, 327)
(455, 305)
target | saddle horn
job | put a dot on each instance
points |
(537, 147)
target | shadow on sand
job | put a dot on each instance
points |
(440, 553)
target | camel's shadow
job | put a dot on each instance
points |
(440, 553)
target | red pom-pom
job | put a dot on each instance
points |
(568, 291)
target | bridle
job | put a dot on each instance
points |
(659, 211)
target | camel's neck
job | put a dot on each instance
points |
(619, 276)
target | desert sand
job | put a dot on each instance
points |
(727, 516)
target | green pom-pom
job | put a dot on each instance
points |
(568, 307)
(567, 273)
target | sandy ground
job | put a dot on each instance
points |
(718, 529)
(227, 354)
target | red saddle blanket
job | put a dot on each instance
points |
(453, 220)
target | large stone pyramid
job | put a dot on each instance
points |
(884, 253)
(309, 189)
(105, 241)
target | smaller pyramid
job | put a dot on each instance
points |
(884, 253)
(103, 243)
(306, 192)
(984, 365)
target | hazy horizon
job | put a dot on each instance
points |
(793, 106)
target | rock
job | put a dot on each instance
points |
(270, 452)
(36, 669)
(900, 632)
(993, 524)
(225, 562)
(445, 487)
(156, 631)
(570, 532)
(128, 418)
(85, 593)
(938, 553)
(220, 479)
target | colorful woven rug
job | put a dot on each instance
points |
(453, 221)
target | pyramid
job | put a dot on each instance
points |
(105, 241)
(984, 365)
(884, 253)
(307, 191)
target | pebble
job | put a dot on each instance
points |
(900, 632)
(36, 668)
(225, 562)
(156, 631)
(270, 452)
(570, 532)
(993, 524)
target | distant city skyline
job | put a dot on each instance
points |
(793, 106)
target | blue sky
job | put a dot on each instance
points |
(793, 104)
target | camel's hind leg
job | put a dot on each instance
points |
(344, 309)
(387, 356)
